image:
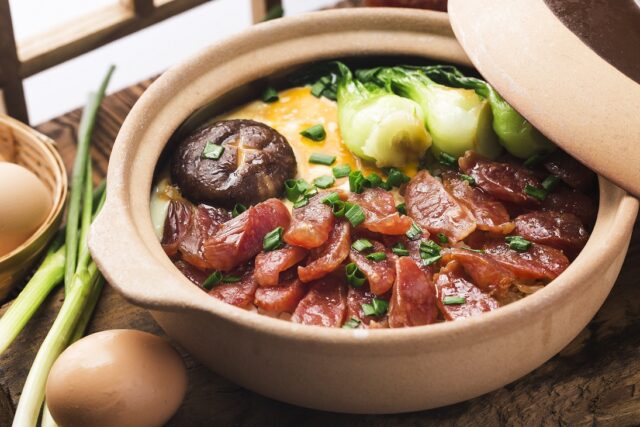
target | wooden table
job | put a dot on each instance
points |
(594, 380)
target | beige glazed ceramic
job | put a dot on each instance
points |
(364, 371)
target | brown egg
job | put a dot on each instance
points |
(116, 378)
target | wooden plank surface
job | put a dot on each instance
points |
(594, 381)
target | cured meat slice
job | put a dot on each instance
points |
(240, 239)
(355, 298)
(325, 304)
(240, 293)
(571, 201)
(452, 282)
(539, 262)
(569, 170)
(485, 271)
(381, 215)
(270, 264)
(205, 221)
(435, 210)
(504, 181)
(562, 231)
(311, 224)
(379, 274)
(413, 300)
(192, 273)
(280, 299)
(328, 257)
(176, 225)
(490, 215)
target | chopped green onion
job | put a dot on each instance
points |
(443, 238)
(352, 323)
(402, 208)
(550, 183)
(355, 276)
(331, 198)
(451, 300)
(448, 160)
(231, 279)
(311, 192)
(400, 250)
(395, 178)
(537, 193)
(212, 151)
(355, 215)
(377, 256)
(378, 307)
(356, 182)
(270, 95)
(534, 160)
(238, 209)
(212, 280)
(373, 180)
(291, 190)
(414, 232)
(300, 203)
(318, 87)
(362, 245)
(471, 180)
(315, 133)
(273, 239)
(324, 181)
(518, 243)
(341, 171)
(322, 159)
(429, 252)
(340, 208)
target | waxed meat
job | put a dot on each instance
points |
(562, 231)
(283, 298)
(241, 238)
(413, 300)
(325, 304)
(269, 265)
(328, 257)
(435, 210)
(310, 224)
(569, 170)
(380, 274)
(381, 215)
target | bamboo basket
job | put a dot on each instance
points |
(22, 145)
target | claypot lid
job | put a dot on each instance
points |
(571, 68)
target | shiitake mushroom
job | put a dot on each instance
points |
(255, 163)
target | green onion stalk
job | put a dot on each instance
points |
(83, 282)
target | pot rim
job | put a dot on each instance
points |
(164, 288)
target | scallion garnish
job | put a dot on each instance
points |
(315, 133)
(414, 232)
(377, 256)
(339, 208)
(318, 87)
(400, 250)
(212, 151)
(273, 239)
(269, 95)
(341, 171)
(355, 215)
(443, 238)
(402, 208)
(238, 209)
(429, 252)
(550, 183)
(291, 190)
(448, 160)
(469, 179)
(355, 276)
(324, 181)
(535, 192)
(373, 180)
(213, 279)
(362, 245)
(453, 300)
(231, 279)
(331, 198)
(378, 307)
(322, 159)
(396, 178)
(300, 203)
(352, 323)
(356, 182)
(518, 243)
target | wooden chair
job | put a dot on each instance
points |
(19, 60)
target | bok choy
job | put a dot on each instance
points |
(378, 125)
(457, 119)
